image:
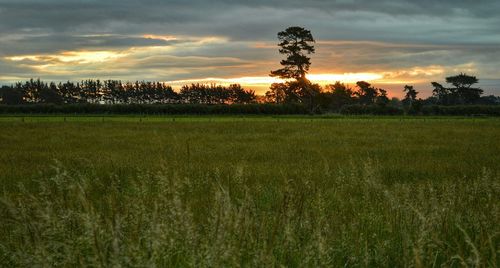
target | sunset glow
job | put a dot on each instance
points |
(346, 77)
(267, 80)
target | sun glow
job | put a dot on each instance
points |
(346, 77)
(256, 80)
(266, 80)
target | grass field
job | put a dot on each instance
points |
(249, 191)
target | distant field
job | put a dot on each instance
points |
(249, 191)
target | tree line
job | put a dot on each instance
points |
(116, 92)
(296, 44)
(335, 96)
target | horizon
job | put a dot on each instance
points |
(388, 44)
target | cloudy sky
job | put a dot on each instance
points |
(387, 42)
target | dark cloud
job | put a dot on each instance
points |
(241, 19)
(50, 43)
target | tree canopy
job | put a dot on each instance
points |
(295, 44)
(461, 92)
(117, 92)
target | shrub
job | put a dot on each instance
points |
(198, 109)
(370, 110)
(467, 110)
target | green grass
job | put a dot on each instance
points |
(249, 191)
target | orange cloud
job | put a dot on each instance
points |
(160, 37)
(71, 57)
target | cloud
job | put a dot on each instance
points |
(253, 19)
(174, 40)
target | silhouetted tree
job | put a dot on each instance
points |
(216, 94)
(90, 91)
(277, 93)
(32, 90)
(382, 98)
(50, 94)
(296, 44)
(411, 95)
(11, 95)
(463, 89)
(70, 92)
(411, 103)
(165, 94)
(241, 95)
(366, 94)
(441, 93)
(339, 95)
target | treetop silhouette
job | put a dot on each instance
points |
(462, 91)
(296, 44)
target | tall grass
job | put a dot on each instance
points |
(219, 192)
(348, 218)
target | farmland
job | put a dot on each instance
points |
(249, 191)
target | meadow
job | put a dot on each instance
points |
(294, 191)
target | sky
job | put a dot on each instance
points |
(389, 43)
